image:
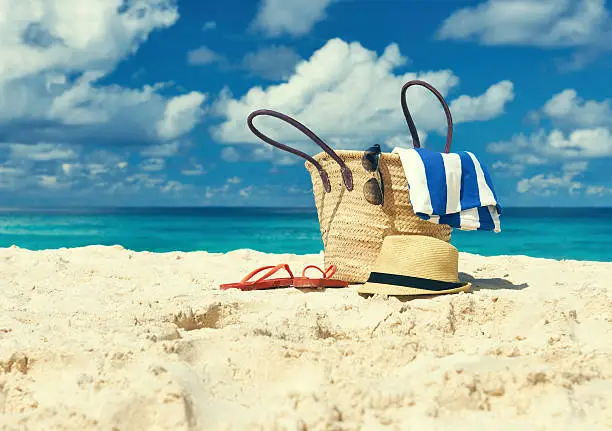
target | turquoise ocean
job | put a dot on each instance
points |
(558, 233)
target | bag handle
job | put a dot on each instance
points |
(347, 175)
(412, 127)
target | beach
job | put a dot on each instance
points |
(110, 339)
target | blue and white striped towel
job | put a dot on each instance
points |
(453, 189)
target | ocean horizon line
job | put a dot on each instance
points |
(246, 207)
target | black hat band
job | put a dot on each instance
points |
(415, 282)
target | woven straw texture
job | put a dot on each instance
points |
(353, 229)
(415, 256)
(419, 256)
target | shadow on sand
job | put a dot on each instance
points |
(490, 283)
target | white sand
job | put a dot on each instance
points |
(105, 338)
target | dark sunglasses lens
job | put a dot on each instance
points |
(370, 161)
(374, 149)
(372, 192)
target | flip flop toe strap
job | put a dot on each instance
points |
(272, 270)
(331, 270)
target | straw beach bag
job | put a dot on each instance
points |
(352, 228)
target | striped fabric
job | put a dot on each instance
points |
(453, 189)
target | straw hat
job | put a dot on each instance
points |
(415, 265)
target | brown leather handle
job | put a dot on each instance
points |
(347, 175)
(412, 127)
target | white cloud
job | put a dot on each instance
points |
(132, 186)
(230, 154)
(555, 149)
(345, 92)
(10, 171)
(234, 180)
(144, 179)
(582, 132)
(68, 168)
(78, 169)
(556, 145)
(245, 192)
(193, 170)
(182, 114)
(152, 165)
(489, 105)
(84, 104)
(544, 23)
(96, 169)
(261, 153)
(529, 159)
(598, 190)
(272, 62)
(81, 169)
(209, 25)
(210, 192)
(80, 112)
(173, 186)
(294, 17)
(52, 182)
(549, 184)
(42, 152)
(44, 36)
(508, 169)
(11, 176)
(297, 190)
(162, 150)
(575, 167)
(203, 55)
(54, 54)
(30, 170)
(568, 110)
(405, 141)
(581, 135)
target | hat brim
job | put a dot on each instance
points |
(393, 290)
(395, 284)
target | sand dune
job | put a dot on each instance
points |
(105, 338)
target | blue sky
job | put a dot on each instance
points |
(107, 102)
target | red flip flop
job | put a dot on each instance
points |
(263, 282)
(325, 281)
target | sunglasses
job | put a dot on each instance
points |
(373, 189)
